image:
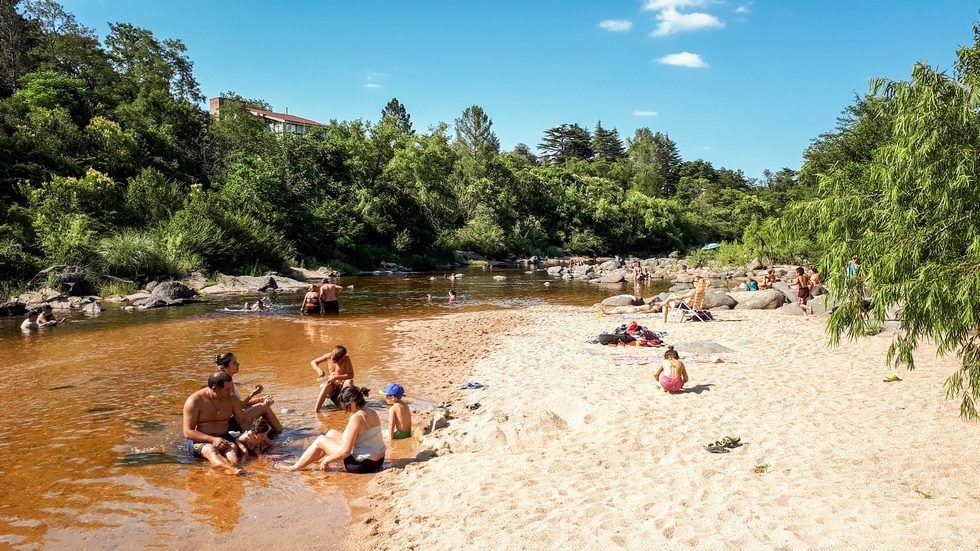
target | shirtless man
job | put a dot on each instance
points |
(328, 297)
(47, 317)
(205, 427)
(341, 374)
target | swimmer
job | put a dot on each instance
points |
(311, 301)
(399, 415)
(329, 292)
(30, 323)
(428, 297)
(47, 319)
(672, 374)
(452, 296)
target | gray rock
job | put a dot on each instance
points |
(142, 295)
(70, 280)
(150, 286)
(785, 289)
(768, 299)
(755, 264)
(36, 298)
(818, 290)
(683, 278)
(622, 300)
(718, 299)
(92, 308)
(167, 293)
(674, 254)
(555, 270)
(13, 308)
(252, 284)
(610, 265)
(615, 277)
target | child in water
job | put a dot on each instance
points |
(255, 440)
(672, 374)
(399, 416)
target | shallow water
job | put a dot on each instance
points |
(93, 454)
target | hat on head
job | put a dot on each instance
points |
(393, 389)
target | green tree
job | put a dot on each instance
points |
(397, 111)
(656, 163)
(606, 143)
(912, 212)
(474, 132)
(565, 142)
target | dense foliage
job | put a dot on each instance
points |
(898, 186)
(107, 158)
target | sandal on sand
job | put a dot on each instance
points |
(892, 378)
(474, 406)
(731, 441)
(716, 447)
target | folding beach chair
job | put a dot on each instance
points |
(690, 309)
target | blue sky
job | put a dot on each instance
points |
(775, 73)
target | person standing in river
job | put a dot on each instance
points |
(329, 292)
(205, 423)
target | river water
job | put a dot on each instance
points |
(91, 453)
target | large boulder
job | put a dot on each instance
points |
(254, 284)
(622, 300)
(716, 298)
(579, 272)
(683, 278)
(786, 290)
(69, 280)
(167, 293)
(555, 270)
(769, 299)
(614, 277)
(610, 265)
(756, 264)
(13, 308)
(44, 295)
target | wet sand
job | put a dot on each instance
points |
(574, 444)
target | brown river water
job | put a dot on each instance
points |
(91, 454)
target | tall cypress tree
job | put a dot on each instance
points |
(565, 142)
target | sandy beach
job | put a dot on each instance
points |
(573, 444)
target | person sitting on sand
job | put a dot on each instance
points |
(311, 301)
(341, 374)
(803, 292)
(360, 446)
(253, 406)
(47, 318)
(672, 374)
(255, 441)
(205, 424)
(399, 415)
(30, 323)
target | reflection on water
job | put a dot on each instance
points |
(96, 458)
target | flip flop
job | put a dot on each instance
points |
(892, 378)
(716, 447)
(731, 441)
(474, 406)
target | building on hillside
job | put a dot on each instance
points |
(279, 123)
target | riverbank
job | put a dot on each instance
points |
(573, 443)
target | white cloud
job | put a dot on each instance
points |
(657, 5)
(672, 21)
(616, 25)
(742, 9)
(683, 59)
(373, 85)
(644, 113)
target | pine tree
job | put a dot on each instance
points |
(396, 110)
(565, 142)
(606, 143)
(474, 131)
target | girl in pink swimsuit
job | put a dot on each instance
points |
(672, 374)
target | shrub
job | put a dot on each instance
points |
(483, 235)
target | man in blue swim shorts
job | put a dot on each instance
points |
(206, 414)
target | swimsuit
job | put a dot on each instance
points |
(671, 384)
(802, 296)
(194, 448)
(311, 304)
(331, 307)
(399, 434)
(368, 443)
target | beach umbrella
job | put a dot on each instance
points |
(710, 246)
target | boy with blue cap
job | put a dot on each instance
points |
(399, 416)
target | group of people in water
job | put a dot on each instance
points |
(323, 298)
(39, 318)
(225, 429)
